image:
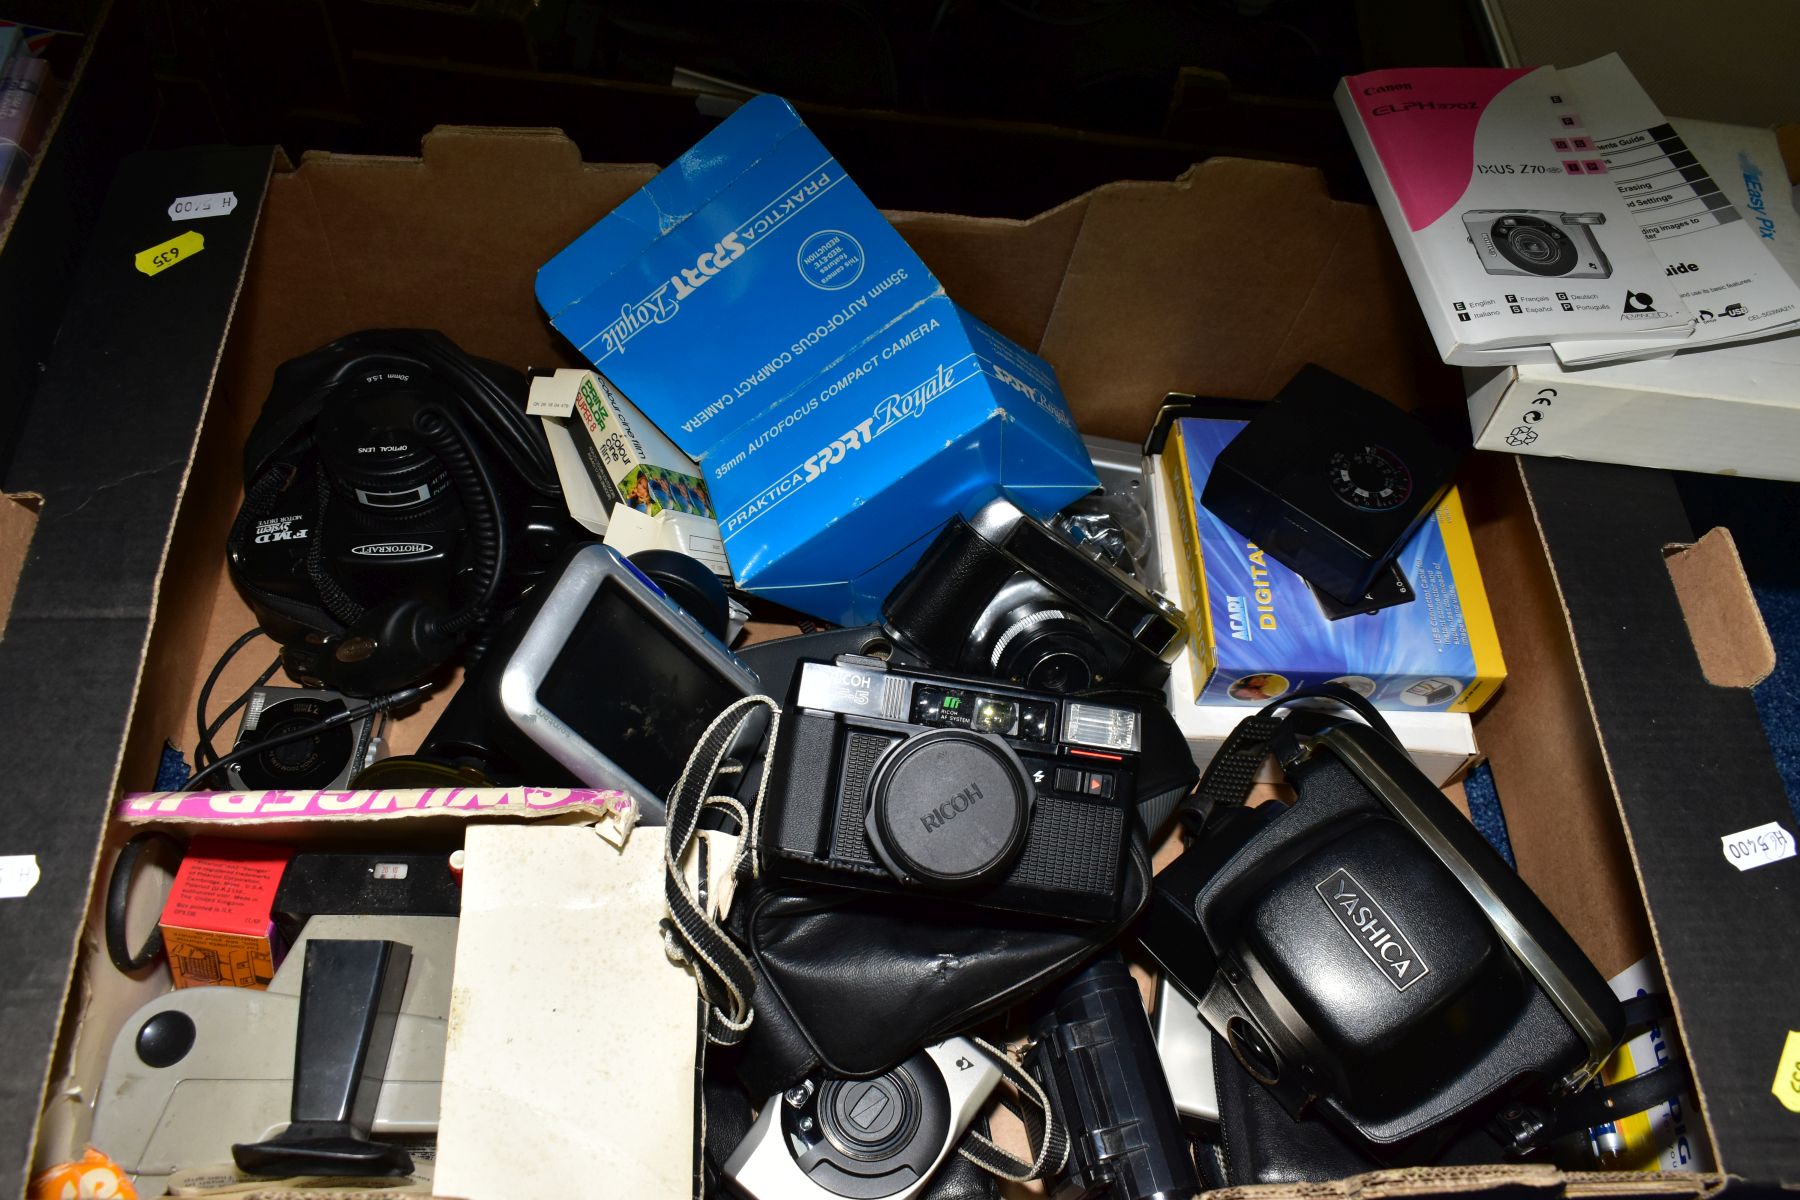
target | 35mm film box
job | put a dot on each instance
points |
(217, 925)
(621, 477)
(1259, 630)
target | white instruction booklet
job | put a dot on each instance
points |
(1710, 201)
(1504, 214)
(572, 1046)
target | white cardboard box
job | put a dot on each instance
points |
(1733, 410)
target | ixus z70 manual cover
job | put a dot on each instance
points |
(1501, 206)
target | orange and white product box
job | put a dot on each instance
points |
(218, 925)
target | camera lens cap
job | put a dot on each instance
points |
(949, 809)
(367, 446)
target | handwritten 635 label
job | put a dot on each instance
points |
(164, 255)
(1757, 847)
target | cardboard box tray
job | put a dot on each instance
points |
(1614, 708)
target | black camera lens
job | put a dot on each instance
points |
(372, 455)
(1030, 635)
(867, 1137)
(949, 808)
(1252, 1051)
(307, 762)
(1041, 644)
(1046, 649)
(1534, 245)
(1059, 670)
(870, 1119)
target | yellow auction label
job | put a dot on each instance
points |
(1787, 1076)
(164, 255)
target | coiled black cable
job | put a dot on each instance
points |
(481, 509)
(339, 603)
(509, 431)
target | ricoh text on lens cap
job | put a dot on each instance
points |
(949, 808)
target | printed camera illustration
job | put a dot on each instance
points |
(1538, 242)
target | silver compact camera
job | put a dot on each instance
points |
(1535, 241)
(870, 1139)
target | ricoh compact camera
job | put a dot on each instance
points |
(901, 781)
(1530, 241)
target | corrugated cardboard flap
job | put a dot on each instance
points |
(1729, 635)
(1224, 283)
(18, 520)
(1519, 1180)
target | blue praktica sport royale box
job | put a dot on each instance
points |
(755, 305)
(1260, 630)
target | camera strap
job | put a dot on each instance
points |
(692, 935)
(1234, 769)
(1522, 1127)
(1042, 1129)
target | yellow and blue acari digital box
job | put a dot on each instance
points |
(1259, 630)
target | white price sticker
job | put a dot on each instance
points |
(194, 208)
(551, 396)
(18, 875)
(1758, 847)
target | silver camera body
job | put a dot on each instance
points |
(1538, 242)
(326, 761)
(865, 1139)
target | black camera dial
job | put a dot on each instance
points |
(312, 762)
(1028, 635)
(1371, 478)
(867, 1138)
(870, 1118)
